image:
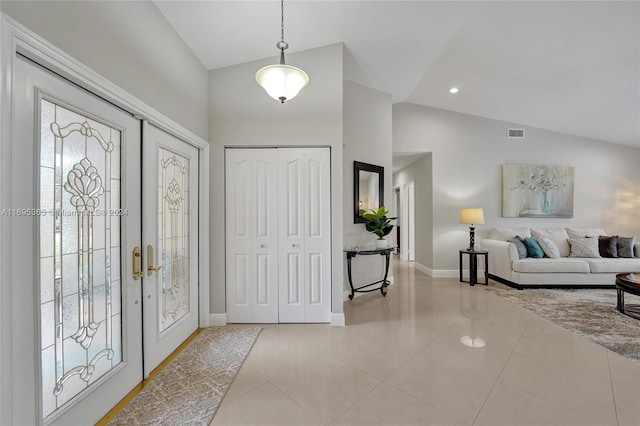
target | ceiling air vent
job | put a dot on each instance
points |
(515, 133)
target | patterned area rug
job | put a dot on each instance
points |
(590, 313)
(190, 389)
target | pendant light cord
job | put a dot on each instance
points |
(281, 20)
(282, 45)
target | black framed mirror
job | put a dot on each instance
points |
(368, 188)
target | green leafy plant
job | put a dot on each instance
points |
(377, 221)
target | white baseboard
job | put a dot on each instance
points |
(337, 320)
(444, 273)
(424, 269)
(217, 320)
(346, 293)
(436, 273)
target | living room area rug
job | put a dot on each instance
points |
(590, 313)
(190, 389)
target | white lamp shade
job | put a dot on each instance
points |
(282, 82)
(472, 216)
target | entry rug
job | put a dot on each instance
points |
(590, 313)
(190, 389)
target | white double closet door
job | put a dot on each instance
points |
(278, 235)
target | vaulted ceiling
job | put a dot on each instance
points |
(571, 67)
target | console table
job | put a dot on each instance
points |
(369, 250)
(473, 266)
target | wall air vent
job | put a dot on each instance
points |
(515, 133)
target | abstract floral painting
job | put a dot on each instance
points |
(537, 191)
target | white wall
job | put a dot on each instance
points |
(419, 172)
(242, 114)
(367, 138)
(468, 152)
(129, 43)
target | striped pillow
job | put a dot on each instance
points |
(584, 247)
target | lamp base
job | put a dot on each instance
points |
(472, 241)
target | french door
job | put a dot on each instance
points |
(95, 243)
(76, 170)
(170, 235)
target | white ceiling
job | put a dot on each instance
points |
(571, 67)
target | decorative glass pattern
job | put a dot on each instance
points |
(79, 253)
(173, 220)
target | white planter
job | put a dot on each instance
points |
(381, 243)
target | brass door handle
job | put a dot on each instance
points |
(150, 268)
(136, 255)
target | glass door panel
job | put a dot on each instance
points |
(80, 282)
(173, 240)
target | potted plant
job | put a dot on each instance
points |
(378, 223)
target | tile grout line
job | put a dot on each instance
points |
(498, 376)
(613, 392)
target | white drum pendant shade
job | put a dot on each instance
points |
(282, 82)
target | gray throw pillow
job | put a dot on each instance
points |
(625, 246)
(584, 247)
(522, 249)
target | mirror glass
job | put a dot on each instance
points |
(369, 195)
(368, 188)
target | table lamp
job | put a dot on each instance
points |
(472, 217)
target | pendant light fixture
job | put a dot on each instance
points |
(282, 82)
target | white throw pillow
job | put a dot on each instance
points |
(584, 247)
(506, 234)
(549, 248)
(585, 232)
(557, 235)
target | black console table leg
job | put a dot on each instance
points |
(385, 283)
(349, 256)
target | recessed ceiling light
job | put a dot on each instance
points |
(453, 90)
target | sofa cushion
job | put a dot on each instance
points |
(557, 235)
(522, 249)
(625, 246)
(549, 248)
(584, 247)
(585, 232)
(533, 248)
(563, 264)
(608, 246)
(619, 265)
(506, 234)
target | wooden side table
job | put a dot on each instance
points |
(473, 266)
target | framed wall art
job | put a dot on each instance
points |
(539, 191)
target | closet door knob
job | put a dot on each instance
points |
(263, 246)
(294, 245)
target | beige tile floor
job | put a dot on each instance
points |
(399, 361)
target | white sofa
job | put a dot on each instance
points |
(506, 267)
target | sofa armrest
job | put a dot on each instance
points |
(636, 250)
(501, 256)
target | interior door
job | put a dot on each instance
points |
(304, 235)
(76, 207)
(170, 235)
(251, 235)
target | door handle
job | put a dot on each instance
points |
(136, 257)
(150, 268)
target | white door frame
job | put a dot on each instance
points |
(407, 217)
(14, 37)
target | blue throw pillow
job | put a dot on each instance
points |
(533, 248)
(522, 249)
